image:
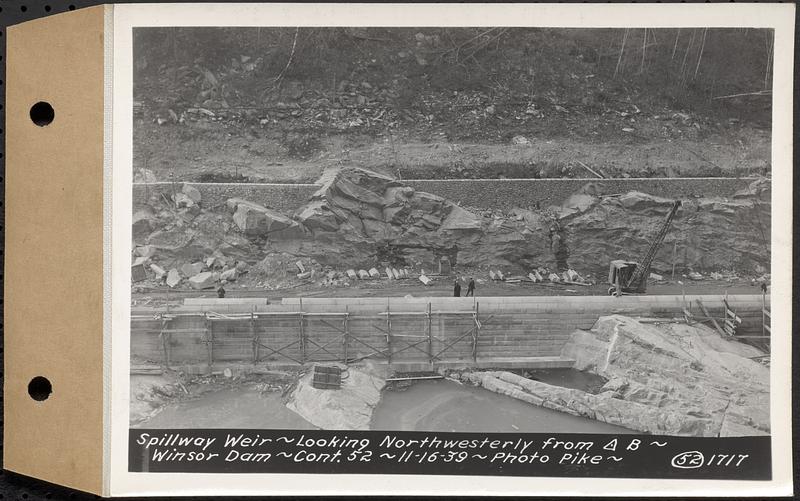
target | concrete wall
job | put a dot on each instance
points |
(511, 327)
(482, 193)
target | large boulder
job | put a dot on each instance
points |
(203, 280)
(145, 251)
(256, 220)
(317, 216)
(190, 270)
(159, 272)
(173, 278)
(229, 275)
(461, 219)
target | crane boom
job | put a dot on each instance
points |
(639, 278)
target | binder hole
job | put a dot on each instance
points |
(47, 8)
(71, 7)
(40, 388)
(23, 8)
(42, 113)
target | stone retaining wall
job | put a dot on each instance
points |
(501, 194)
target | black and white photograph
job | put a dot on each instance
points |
(452, 229)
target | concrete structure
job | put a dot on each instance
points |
(407, 333)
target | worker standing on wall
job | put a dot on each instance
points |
(470, 288)
(456, 289)
(221, 291)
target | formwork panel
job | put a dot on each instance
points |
(232, 339)
(365, 338)
(447, 329)
(324, 338)
(278, 338)
(410, 341)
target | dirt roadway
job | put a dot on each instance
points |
(439, 288)
(216, 155)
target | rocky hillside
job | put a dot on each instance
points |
(233, 104)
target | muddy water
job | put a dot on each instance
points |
(426, 406)
(568, 378)
(229, 408)
(447, 406)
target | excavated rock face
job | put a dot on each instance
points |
(359, 217)
(711, 234)
(679, 371)
(357, 211)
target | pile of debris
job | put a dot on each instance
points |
(176, 242)
(199, 275)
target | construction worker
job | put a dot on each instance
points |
(456, 289)
(470, 288)
(221, 290)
